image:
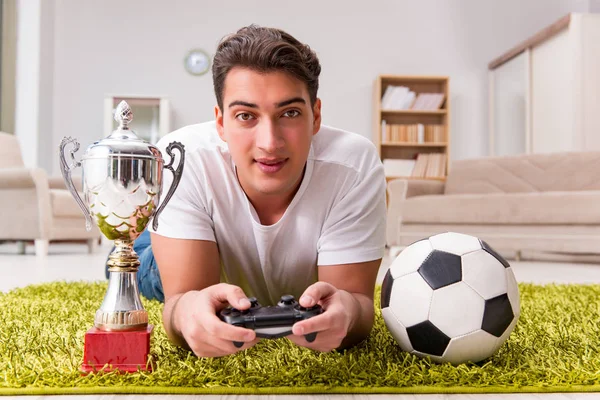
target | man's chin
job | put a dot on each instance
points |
(271, 188)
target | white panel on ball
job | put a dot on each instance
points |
(455, 243)
(484, 273)
(396, 328)
(475, 346)
(410, 299)
(512, 290)
(456, 309)
(410, 259)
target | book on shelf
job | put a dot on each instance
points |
(425, 165)
(398, 167)
(429, 165)
(402, 98)
(428, 101)
(412, 133)
(397, 98)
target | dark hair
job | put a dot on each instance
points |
(265, 50)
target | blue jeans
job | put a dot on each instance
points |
(148, 277)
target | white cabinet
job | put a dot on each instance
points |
(151, 115)
(507, 107)
(544, 93)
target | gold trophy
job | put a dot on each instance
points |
(122, 183)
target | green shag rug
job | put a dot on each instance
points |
(554, 348)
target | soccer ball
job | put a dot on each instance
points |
(450, 297)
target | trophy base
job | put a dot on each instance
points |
(124, 351)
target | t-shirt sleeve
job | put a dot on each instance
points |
(186, 215)
(354, 230)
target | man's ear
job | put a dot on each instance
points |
(219, 121)
(317, 116)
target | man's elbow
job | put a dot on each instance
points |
(362, 327)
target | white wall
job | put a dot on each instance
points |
(594, 6)
(137, 47)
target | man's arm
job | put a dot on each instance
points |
(184, 266)
(358, 280)
(190, 275)
(346, 294)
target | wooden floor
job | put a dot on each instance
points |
(71, 262)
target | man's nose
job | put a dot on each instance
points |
(268, 137)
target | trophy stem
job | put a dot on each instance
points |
(123, 258)
(122, 309)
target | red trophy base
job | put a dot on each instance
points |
(107, 351)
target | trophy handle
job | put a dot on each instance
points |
(176, 177)
(66, 169)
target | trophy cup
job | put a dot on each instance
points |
(122, 184)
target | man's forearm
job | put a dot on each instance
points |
(169, 313)
(363, 320)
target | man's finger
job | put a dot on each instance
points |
(315, 292)
(222, 330)
(319, 323)
(234, 295)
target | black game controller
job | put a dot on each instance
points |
(271, 322)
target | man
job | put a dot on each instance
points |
(270, 203)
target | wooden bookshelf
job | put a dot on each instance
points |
(414, 144)
(403, 145)
(413, 112)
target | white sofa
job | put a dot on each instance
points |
(37, 208)
(548, 203)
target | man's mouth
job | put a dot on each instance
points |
(270, 165)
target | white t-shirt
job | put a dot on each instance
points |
(336, 217)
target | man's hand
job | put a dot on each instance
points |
(340, 312)
(194, 316)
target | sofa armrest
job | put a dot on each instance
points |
(16, 178)
(31, 178)
(399, 190)
(58, 182)
(405, 188)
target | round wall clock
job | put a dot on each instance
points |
(197, 62)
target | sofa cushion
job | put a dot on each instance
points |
(568, 171)
(500, 208)
(63, 204)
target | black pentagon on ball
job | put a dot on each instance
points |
(386, 289)
(487, 248)
(427, 338)
(441, 269)
(497, 315)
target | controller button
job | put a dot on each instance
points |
(253, 301)
(287, 299)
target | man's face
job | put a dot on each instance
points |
(268, 124)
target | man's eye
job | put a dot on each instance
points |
(292, 113)
(244, 116)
